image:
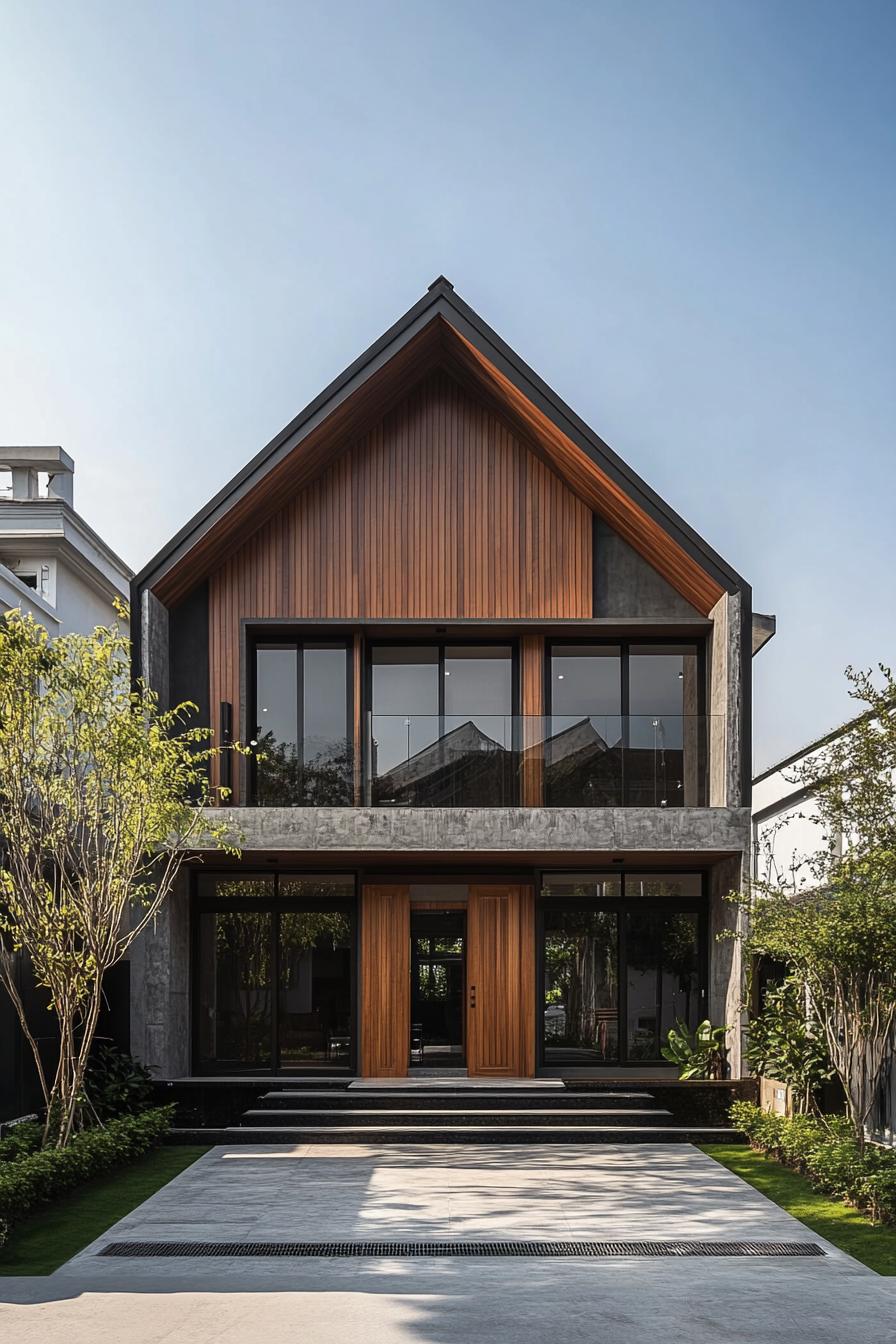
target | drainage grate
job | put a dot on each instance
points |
(480, 1249)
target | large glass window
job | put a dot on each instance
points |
(441, 726)
(581, 985)
(625, 726)
(665, 731)
(662, 949)
(275, 978)
(302, 737)
(622, 959)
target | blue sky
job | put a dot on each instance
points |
(681, 213)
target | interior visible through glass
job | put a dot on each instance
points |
(581, 987)
(582, 754)
(442, 725)
(438, 988)
(276, 974)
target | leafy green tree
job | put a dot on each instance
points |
(838, 931)
(101, 797)
(784, 1042)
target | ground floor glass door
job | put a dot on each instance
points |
(438, 988)
(274, 975)
(618, 968)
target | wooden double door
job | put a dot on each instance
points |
(500, 981)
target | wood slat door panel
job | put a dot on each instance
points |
(500, 982)
(385, 975)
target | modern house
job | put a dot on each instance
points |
(56, 568)
(498, 698)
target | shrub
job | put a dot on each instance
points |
(116, 1083)
(37, 1178)
(22, 1140)
(824, 1150)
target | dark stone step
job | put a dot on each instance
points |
(472, 1115)
(471, 1134)
(469, 1099)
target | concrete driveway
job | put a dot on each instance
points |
(280, 1193)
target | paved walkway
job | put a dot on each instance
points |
(638, 1192)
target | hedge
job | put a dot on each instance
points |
(30, 1180)
(825, 1151)
(22, 1140)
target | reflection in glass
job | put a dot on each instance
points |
(304, 758)
(662, 977)
(315, 988)
(663, 754)
(583, 751)
(581, 990)
(442, 745)
(235, 988)
(277, 731)
(326, 745)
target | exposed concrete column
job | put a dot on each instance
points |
(154, 646)
(725, 703)
(726, 987)
(160, 988)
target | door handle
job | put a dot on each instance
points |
(472, 996)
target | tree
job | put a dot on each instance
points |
(784, 1042)
(101, 796)
(838, 933)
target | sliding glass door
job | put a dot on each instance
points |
(274, 974)
(303, 754)
(621, 959)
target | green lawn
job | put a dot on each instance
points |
(845, 1227)
(58, 1231)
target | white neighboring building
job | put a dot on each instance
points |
(55, 567)
(784, 832)
(52, 563)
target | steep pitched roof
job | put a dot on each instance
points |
(442, 330)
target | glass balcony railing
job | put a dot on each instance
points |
(486, 760)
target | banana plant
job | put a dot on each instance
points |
(700, 1054)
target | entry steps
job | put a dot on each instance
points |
(453, 1113)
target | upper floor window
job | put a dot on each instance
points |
(626, 725)
(441, 724)
(302, 729)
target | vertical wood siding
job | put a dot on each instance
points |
(385, 981)
(438, 512)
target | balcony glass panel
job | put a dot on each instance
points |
(482, 760)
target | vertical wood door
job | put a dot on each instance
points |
(501, 982)
(385, 975)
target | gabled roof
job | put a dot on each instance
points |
(440, 330)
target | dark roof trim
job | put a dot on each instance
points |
(441, 300)
(812, 746)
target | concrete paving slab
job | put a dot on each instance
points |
(643, 1192)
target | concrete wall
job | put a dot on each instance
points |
(154, 646)
(562, 832)
(726, 703)
(627, 586)
(160, 988)
(725, 960)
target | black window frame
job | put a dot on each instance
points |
(200, 904)
(273, 636)
(441, 645)
(619, 905)
(625, 645)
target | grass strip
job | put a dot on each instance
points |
(58, 1231)
(846, 1228)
